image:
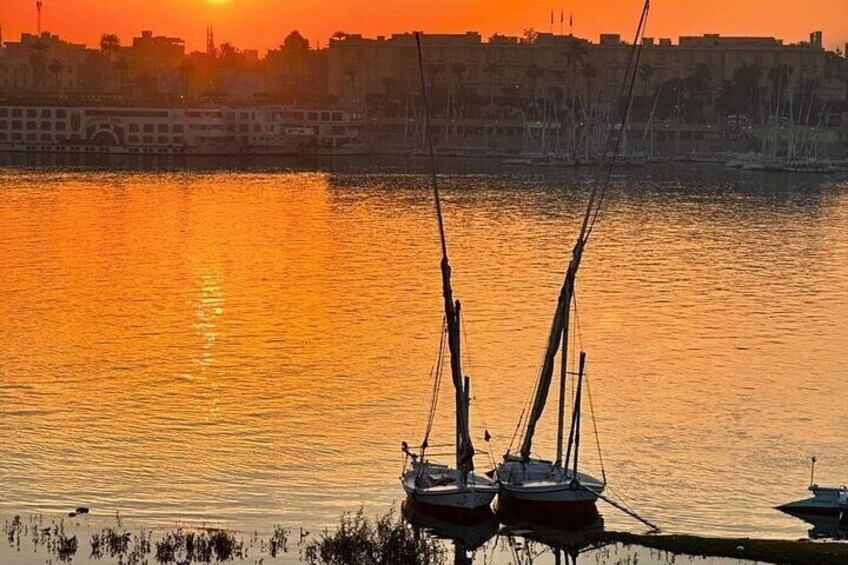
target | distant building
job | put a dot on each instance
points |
(40, 63)
(359, 67)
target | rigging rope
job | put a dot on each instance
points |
(475, 402)
(595, 426)
(436, 374)
(579, 332)
(629, 76)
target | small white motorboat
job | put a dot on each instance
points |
(826, 501)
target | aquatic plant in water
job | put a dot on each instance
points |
(200, 547)
(386, 541)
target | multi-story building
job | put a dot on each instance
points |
(360, 67)
(40, 63)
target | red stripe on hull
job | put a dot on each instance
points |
(465, 516)
(558, 514)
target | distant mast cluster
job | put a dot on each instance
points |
(562, 22)
(38, 6)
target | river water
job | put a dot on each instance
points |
(246, 345)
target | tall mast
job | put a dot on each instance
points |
(563, 361)
(464, 447)
(578, 410)
(560, 325)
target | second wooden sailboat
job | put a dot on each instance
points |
(555, 491)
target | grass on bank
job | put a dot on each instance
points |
(778, 552)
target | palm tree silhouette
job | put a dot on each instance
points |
(109, 45)
(38, 62)
(56, 67)
(186, 69)
(122, 66)
(352, 71)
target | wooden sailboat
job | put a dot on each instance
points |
(453, 492)
(555, 491)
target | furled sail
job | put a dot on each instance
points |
(464, 446)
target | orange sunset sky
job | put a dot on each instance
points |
(260, 24)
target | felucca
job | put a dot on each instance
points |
(555, 491)
(452, 492)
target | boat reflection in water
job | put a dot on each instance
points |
(527, 540)
(569, 524)
(825, 527)
(467, 536)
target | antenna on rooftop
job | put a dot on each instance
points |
(210, 41)
(38, 6)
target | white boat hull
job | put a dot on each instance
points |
(826, 501)
(538, 491)
(434, 488)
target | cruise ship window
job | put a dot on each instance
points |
(148, 128)
(32, 125)
(134, 127)
(46, 114)
(45, 126)
(163, 128)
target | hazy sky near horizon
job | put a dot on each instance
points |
(261, 24)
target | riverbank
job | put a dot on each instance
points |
(777, 552)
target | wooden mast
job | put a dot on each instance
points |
(560, 325)
(464, 447)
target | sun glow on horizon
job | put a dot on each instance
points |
(262, 24)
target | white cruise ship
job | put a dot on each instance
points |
(271, 130)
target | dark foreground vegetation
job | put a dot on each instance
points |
(357, 540)
(385, 541)
(779, 552)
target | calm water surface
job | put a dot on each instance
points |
(251, 347)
